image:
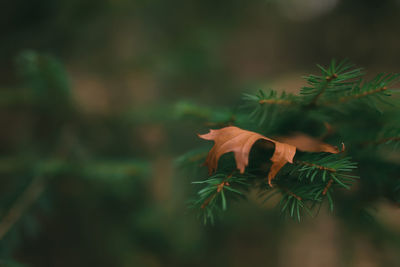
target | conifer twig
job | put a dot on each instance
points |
(316, 165)
(219, 188)
(26, 199)
(275, 101)
(291, 193)
(328, 185)
(363, 94)
(384, 140)
(381, 141)
(323, 89)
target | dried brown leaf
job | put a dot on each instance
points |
(240, 142)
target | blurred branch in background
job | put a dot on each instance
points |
(28, 197)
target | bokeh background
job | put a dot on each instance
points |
(96, 98)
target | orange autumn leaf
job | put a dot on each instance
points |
(240, 142)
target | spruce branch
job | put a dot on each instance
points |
(295, 200)
(389, 135)
(315, 165)
(24, 201)
(328, 185)
(334, 79)
(269, 104)
(219, 188)
(275, 101)
(369, 92)
(382, 141)
(310, 179)
(324, 167)
(309, 182)
(363, 94)
(211, 117)
(290, 193)
(324, 86)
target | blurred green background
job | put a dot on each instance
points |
(96, 101)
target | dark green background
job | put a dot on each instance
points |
(89, 93)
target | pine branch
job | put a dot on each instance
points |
(25, 200)
(209, 117)
(290, 193)
(386, 140)
(369, 92)
(309, 182)
(194, 156)
(219, 188)
(312, 178)
(328, 185)
(315, 165)
(323, 89)
(333, 80)
(323, 167)
(295, 201)
(269, 104)
(100, 169)
(275, 101)
(390, 135)
(363, 94)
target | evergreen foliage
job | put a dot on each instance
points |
(62, 152)
(338, 106)
(53, 154)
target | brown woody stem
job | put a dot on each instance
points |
(30, 195)
(347, 98)
(275, 101)
(208, 200)
(219, 188)
(316, 165)
(320, 93)
(381, 141)
(291, 193)
(328, 185)
(394, 138)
